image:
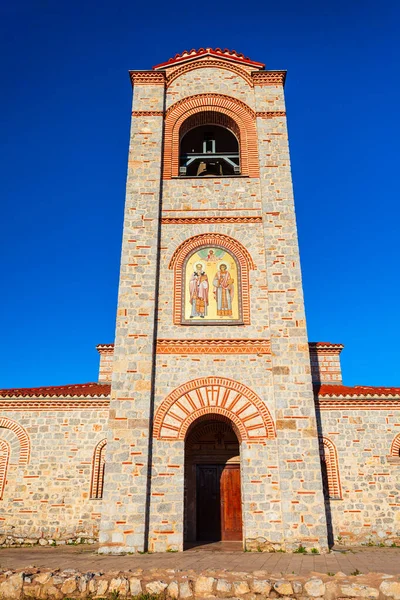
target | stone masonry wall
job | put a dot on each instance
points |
(47, 496)
(188, 584)
(299, 466)
(123, 524)
(106, 363)
(47, 499)
(325, 364)
(369, 511)
(210, 80)
(275, 291)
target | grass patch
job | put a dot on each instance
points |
(300, 550)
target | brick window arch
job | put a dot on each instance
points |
(235, 110)
(210, 396)
(4, 460)
(395, 447)
(209, 117)
(18, 439)
(330, 469)
(98, 465)
(233, 247)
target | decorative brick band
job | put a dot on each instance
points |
(211, 101)
(4, 458)
(209, 63)
(395, 447)
(190, 346)
(54, 404)
(98, 463)
(245, 263)
(147, 77)
(271, 114)
(357, 404)
(207, 220)
(105, 348)
(238, 111)
(329, 456)
(213, 396)
(269, 77)
(147, 113)
(22, 436)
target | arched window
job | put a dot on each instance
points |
(209, 145)
(18, 439)
(395, 447)
(330, 469)
(211, 281)
(4, 458)
(217, 112)
(98, 464)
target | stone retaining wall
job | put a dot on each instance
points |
(174, 584)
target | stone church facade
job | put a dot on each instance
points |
(213, 417)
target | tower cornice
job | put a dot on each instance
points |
(147, 77)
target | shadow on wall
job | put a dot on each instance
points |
(324, 473)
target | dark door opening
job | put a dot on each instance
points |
(208, 503)
(213, 500)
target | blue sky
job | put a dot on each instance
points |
(65, 112)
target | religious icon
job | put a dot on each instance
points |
(212, 293)
(198, 287)
(211, 256)
(223, 291)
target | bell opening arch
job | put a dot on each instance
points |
(235, 110)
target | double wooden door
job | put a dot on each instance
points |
(218, 503)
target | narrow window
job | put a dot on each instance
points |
(4, 458)
(330, 470)
(98, 464)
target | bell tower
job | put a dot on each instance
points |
(212, 410)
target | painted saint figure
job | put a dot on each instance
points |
(198, 288)
(211, 256)
(223, 291)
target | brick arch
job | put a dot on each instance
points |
(214, 64)
(395, 447)
(220, 396)
(19, 443)
(209, 117)
(98, 463)
(237, 110)
(239, 252)
(329, 456)
(4, 460)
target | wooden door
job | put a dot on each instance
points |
(208, 502)
(231, 503)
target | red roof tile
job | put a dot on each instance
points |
(357, 391)
(82, 390)
(324, 345)
(217, 52)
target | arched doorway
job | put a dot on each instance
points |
(213, 500)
